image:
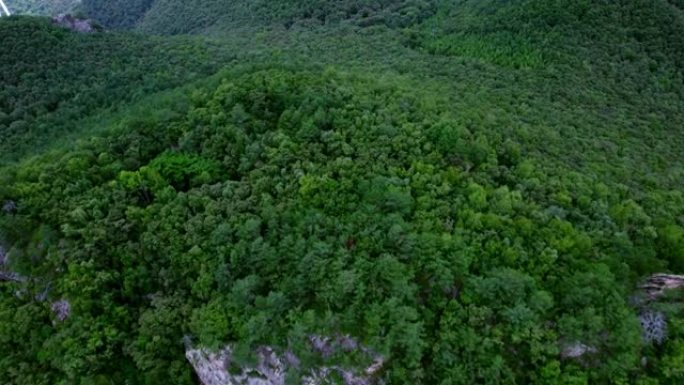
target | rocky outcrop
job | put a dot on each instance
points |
(9, 207)
(656, 285)
(653, 326)
(10, 276)
(61, 309)
(653, 322)
(74, 24)
(576, 350)
(213, 367)
(5, 273)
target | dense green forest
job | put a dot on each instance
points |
(116, 14)
(41, 101)
(466, 187)
(174, 16)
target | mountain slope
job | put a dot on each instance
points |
(471, 189)
(40, 101)
(551, 32)
(174, 16)
(116, 14)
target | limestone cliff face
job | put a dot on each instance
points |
(212, 367)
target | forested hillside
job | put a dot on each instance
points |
(174, 16)
(52, 77)
(472, 190)
(117, 14)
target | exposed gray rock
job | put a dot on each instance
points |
(654, 326)
(62, 309)
(654, 322)
(327, 346)
(656, 285)
(292, 360)
(10, 276)
(576, 350)
(212, 367)
(42, 296)
(5, 273)
(9, 207)
(74, 24)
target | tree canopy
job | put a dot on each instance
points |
(472, 189)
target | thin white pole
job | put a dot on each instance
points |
(4, 8)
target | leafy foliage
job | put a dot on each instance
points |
(482, 186)
(175, 16)
(40, 101)
(116, 14)
(537, 33)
